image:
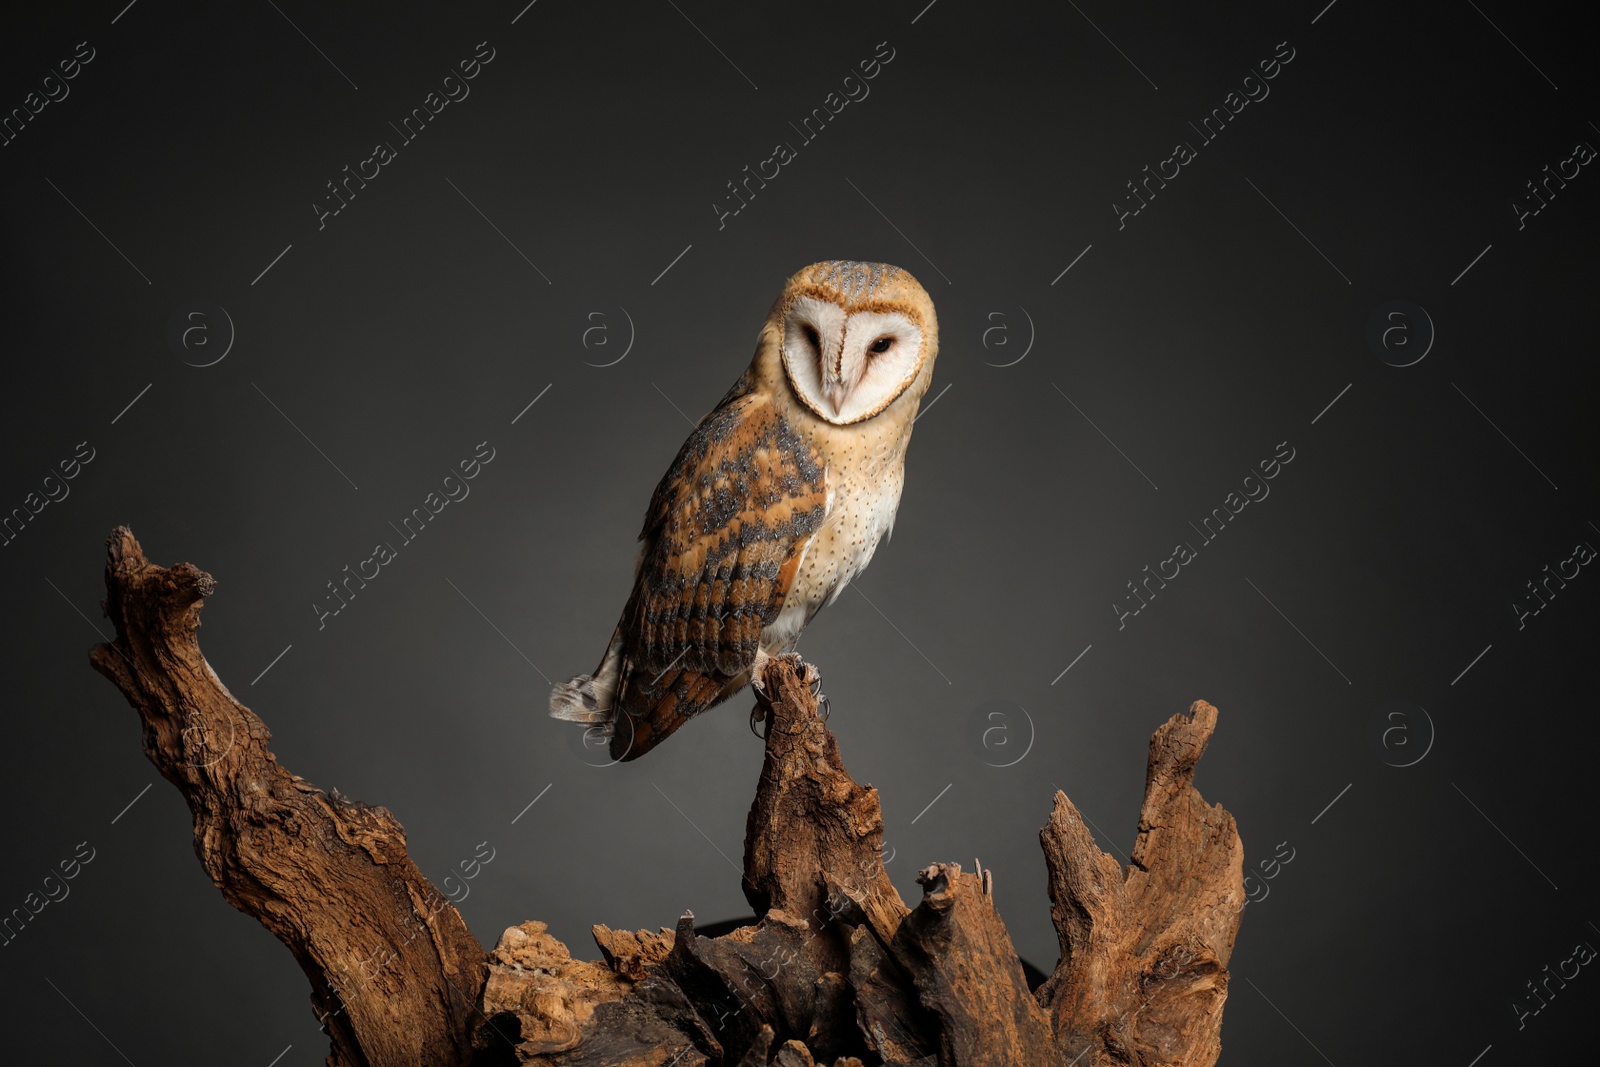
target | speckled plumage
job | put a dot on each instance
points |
(776, 501)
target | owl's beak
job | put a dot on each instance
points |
(834, 386)
(835, 392)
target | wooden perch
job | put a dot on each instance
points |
(837, 970)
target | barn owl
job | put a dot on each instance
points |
(775, 502)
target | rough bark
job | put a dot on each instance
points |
(812, 831)
(836, 970)
(394, 971)
(968, 975)
(1144, 952)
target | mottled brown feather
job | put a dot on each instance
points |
(722, 539)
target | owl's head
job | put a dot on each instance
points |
(854, 338)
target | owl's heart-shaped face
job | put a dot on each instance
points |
(847, 366)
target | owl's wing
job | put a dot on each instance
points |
(722, 540)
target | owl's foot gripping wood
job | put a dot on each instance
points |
(808, 674)
(758, 670)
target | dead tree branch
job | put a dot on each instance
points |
(836, 970)
(395, 973)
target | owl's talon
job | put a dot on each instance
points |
(757, 715)
(757, 669)
(814, 676)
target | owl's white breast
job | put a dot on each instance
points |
(865, 474)
(865, 464)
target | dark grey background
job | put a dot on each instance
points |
(1215, 325)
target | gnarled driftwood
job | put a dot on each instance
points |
(836, 970)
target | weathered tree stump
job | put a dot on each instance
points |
(837, 969)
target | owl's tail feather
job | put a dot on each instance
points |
(591, 698)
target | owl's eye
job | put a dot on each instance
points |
(881, 345)
(811, 335)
